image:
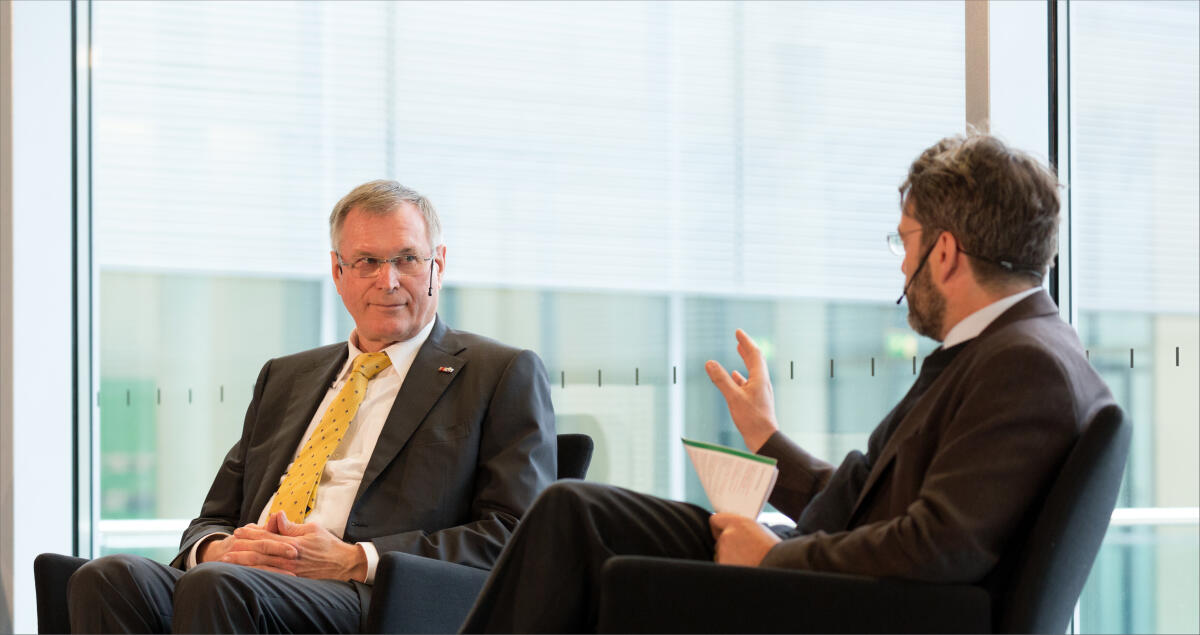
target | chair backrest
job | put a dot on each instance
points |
(574, 455)
(1049, 567)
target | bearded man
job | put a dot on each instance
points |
(949, 474)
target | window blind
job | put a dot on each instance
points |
(705, 148)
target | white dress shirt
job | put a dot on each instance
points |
(973, 324)
(344, 469)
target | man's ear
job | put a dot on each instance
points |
(439, 257)
(948, 258)
(336, 270)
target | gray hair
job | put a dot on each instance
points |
(998, 202)
(383, 197)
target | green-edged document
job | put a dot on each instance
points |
(735, 481)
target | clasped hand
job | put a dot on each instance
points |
(306, 550)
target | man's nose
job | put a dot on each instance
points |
(388, 277)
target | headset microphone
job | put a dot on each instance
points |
(431, 276)
(913, 277)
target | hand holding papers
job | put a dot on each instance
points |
(736, 482)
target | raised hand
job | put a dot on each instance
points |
(751, 400)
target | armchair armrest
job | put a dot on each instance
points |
(51, 572)
(659, 595)
(413, 594)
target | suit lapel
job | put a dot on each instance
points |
(1036, 305)
(308, 390)
(907, 429)
(423, 386)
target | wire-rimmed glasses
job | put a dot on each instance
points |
(404, 264)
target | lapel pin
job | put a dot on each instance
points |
(445, 369)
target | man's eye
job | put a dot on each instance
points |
(369, 262)
(409, 259)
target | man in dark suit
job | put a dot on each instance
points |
(948, 476)
(409, 437)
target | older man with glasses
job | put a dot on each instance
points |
(410, 436)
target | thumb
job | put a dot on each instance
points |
(283, 526)
(272, 524)
(718, 523)
(286, 527)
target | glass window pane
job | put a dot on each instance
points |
(605, 353)
(1145, 580)
(1135, 163)
(1135, 160)
(179, 354)
(622, 185)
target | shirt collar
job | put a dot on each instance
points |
(400, 353)
(973, 324)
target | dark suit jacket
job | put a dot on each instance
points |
(955, 480)
(461, 456)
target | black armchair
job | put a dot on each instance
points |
(1032, 590)
(438, 604)
(50, 574)
(574, 455)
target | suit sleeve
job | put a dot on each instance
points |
(223, 505)
(517, 460)
(996, 453)
(801, 475)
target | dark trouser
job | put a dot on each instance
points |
(131, 594)
(547, 578)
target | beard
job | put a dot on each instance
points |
(926, 307)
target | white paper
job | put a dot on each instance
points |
(733, 481)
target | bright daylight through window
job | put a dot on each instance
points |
(622, 185)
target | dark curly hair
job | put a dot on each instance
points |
(1000, 203)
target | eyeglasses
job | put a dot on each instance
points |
(368, 266)
(895, 241)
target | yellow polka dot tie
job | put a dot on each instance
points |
(298, 491)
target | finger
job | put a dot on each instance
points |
(267, 547)
(298, 530)
(738, 379)
(289, 528)
(245, 539)
(247, 531)
(719, 522)
(719, 378)
(725, 518)
(281, 521)
(254, 533)
(751, 354)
